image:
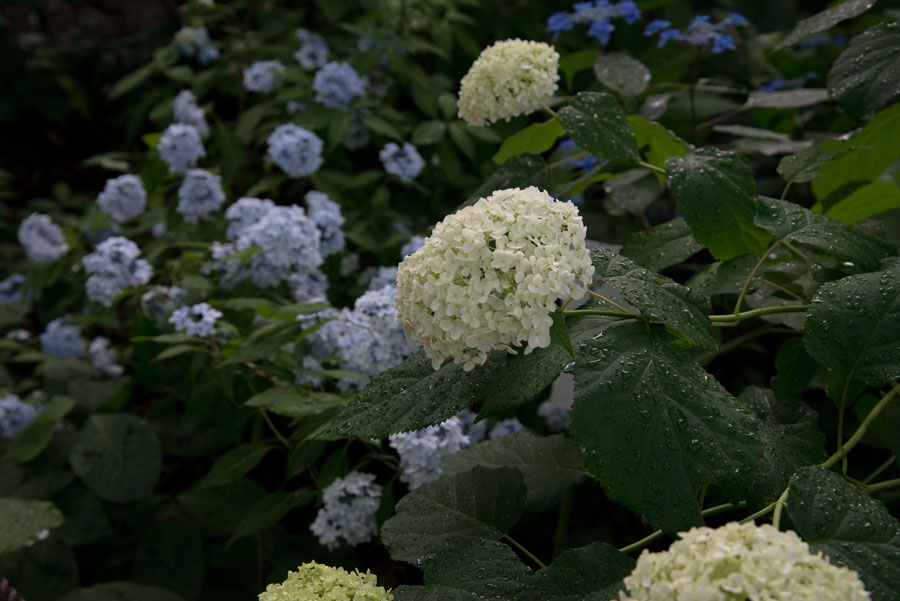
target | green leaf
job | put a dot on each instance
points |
(428, 132)
(559, 334)
(825, 20)
(571, 64)
(592, 573)
(715, 192)
(788, 99)
(849, 527)
(85, 518)
(25, 522)
(222, 508)
(804, 166)
(662, 246)
(234, 464)
(171, 555)
(866, 76)
(622, 74)
(460, 136)
(535, 138)
(853, 326)
(248, 121)
(268, 511)
(43, 571)
(483, 503)
(118, 457)
(595, 121)
(794, 367)
(382, 127)
(659, 142)
(518, 172)
(37, 435)
(131, 81)
(178, 349)
(865, 202)
(122, 591)
(290, 402)
(265, 342)
(656, 297)
(549, 464)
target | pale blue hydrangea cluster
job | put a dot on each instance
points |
(558, 418)
(295, 149)
(42, 239)
(180, 146)
(104, 357)
(263, 76)
(114, 266)
(415, 243)
(378, 277)
(308, 286)
(15, 415)
(199, 195)
(196, 320)
(348, 511)
(701, 32)
(422, 451)
(123, 197)
(313, 51)
(19, 335)
(62, 339)
(159, 302)
(12, 289)
(403, 161)
(597, 15)
(568, 148)
(195, 42)
(186, 110)
(337, 84)
(326, 214)
(358, 136)
(475, 431)
(505, 428)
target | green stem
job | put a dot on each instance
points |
(888, 462)
(549, 110)
(786, 188)
(740, 299)
(574, 157)
(779, 507)
(278, 435)
(525, 551)
(608, 301)
(601, 312)
(883, 485)
(659, 533)
(736, 318)
(863, 427)
(653, 168)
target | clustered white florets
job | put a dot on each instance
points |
(740, 562)
(510, 78)
(489, 276)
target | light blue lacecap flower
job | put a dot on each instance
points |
(337, 84)
(403, 161)
(199, 195)
(180, 146)
(15, 415)
(263, 76)
(62, 339)
(558, 23)
(196, 320)
(123, 197)
(349, 505)
(186, 110)
(114, 266)
(11, 289)
(326, 214)
(296, 150)
(42, 239)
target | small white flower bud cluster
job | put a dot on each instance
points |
(508, 79)
(489, 276)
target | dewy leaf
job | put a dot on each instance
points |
(659, 142)
(118, 457)
(794, 367)
(559, 334)
(234, 464)
(622, 73)
(866, 202)
(662, 245)
(847, 525)
(825, 20)
(592, 573)
(24, 522)
(866, 76)
(656, 297)
(549, 464)
(789, 99)
(483, 503)
(596, 122)
(804, 166)
(535, 138)
(715, 192)
(518, 172)
(853, 327)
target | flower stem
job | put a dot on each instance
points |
(659, 533)
(888, 462)
(740, 299)
(278, 434)
(549, 110)
(863, 427)
(653, 168)
(573, 157)
(601, 312)
(735, 318)
(525, 551)
(607, 301)
(883, 485)
(779, 507)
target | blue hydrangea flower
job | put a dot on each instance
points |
(15, 415)
(313, 52)
(723, 42)
(414, 244)
(629, 11)
(337, 84)
(700, 32)
(736, 19)
(42, 239)
(558, 23)
(326, 214)
(358, 136)
(505, 428)
(12, 289)
(422, 452)
(263, 76)
(598, 15)
(199, 195)
(380, 277)
(656, 26)
(559, 419)
(601, 30)
(159, 302)
(159, 229)
(403, 161)
(587, 163)
(196, 320)
(62, 340)
(180, 146)
(668, 36)
(296, 150)
(123, 197)
(308, 286)
(288, 241)
(186, 110)
(195, 42)
(114, 266)
(475, 431)
(244, 213)
(348, 511)
(103, 357)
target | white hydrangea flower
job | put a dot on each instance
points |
(489, 276)
(508, 79)
(740, 562)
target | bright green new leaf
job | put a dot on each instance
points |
(662, 245)
(535, 138)
(865, 202)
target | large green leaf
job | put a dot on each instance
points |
(518, 172)
(483, 503)
(118, 457)
(866, 202)
(592, 573)
(549, 464)
(804, 166)
(535, 138)
(596, 122)
(794, 367)
(122, 591)
(655, 141)
(851, 528)
(622, 73)
(234, 464)
(825, 20)
(715, 192)
(290, 402)
(662, 245)
(866, 76)
(25, 522)
(788, 99)
(853, 327)
(171, 555)
(656, 297)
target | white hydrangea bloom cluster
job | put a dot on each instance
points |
(349, 507)
(740, 562)
(114, 266)
(123, 197)
(490, 274)
(422, 451)
(317, 582)
(42, 239)
(508, 79)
